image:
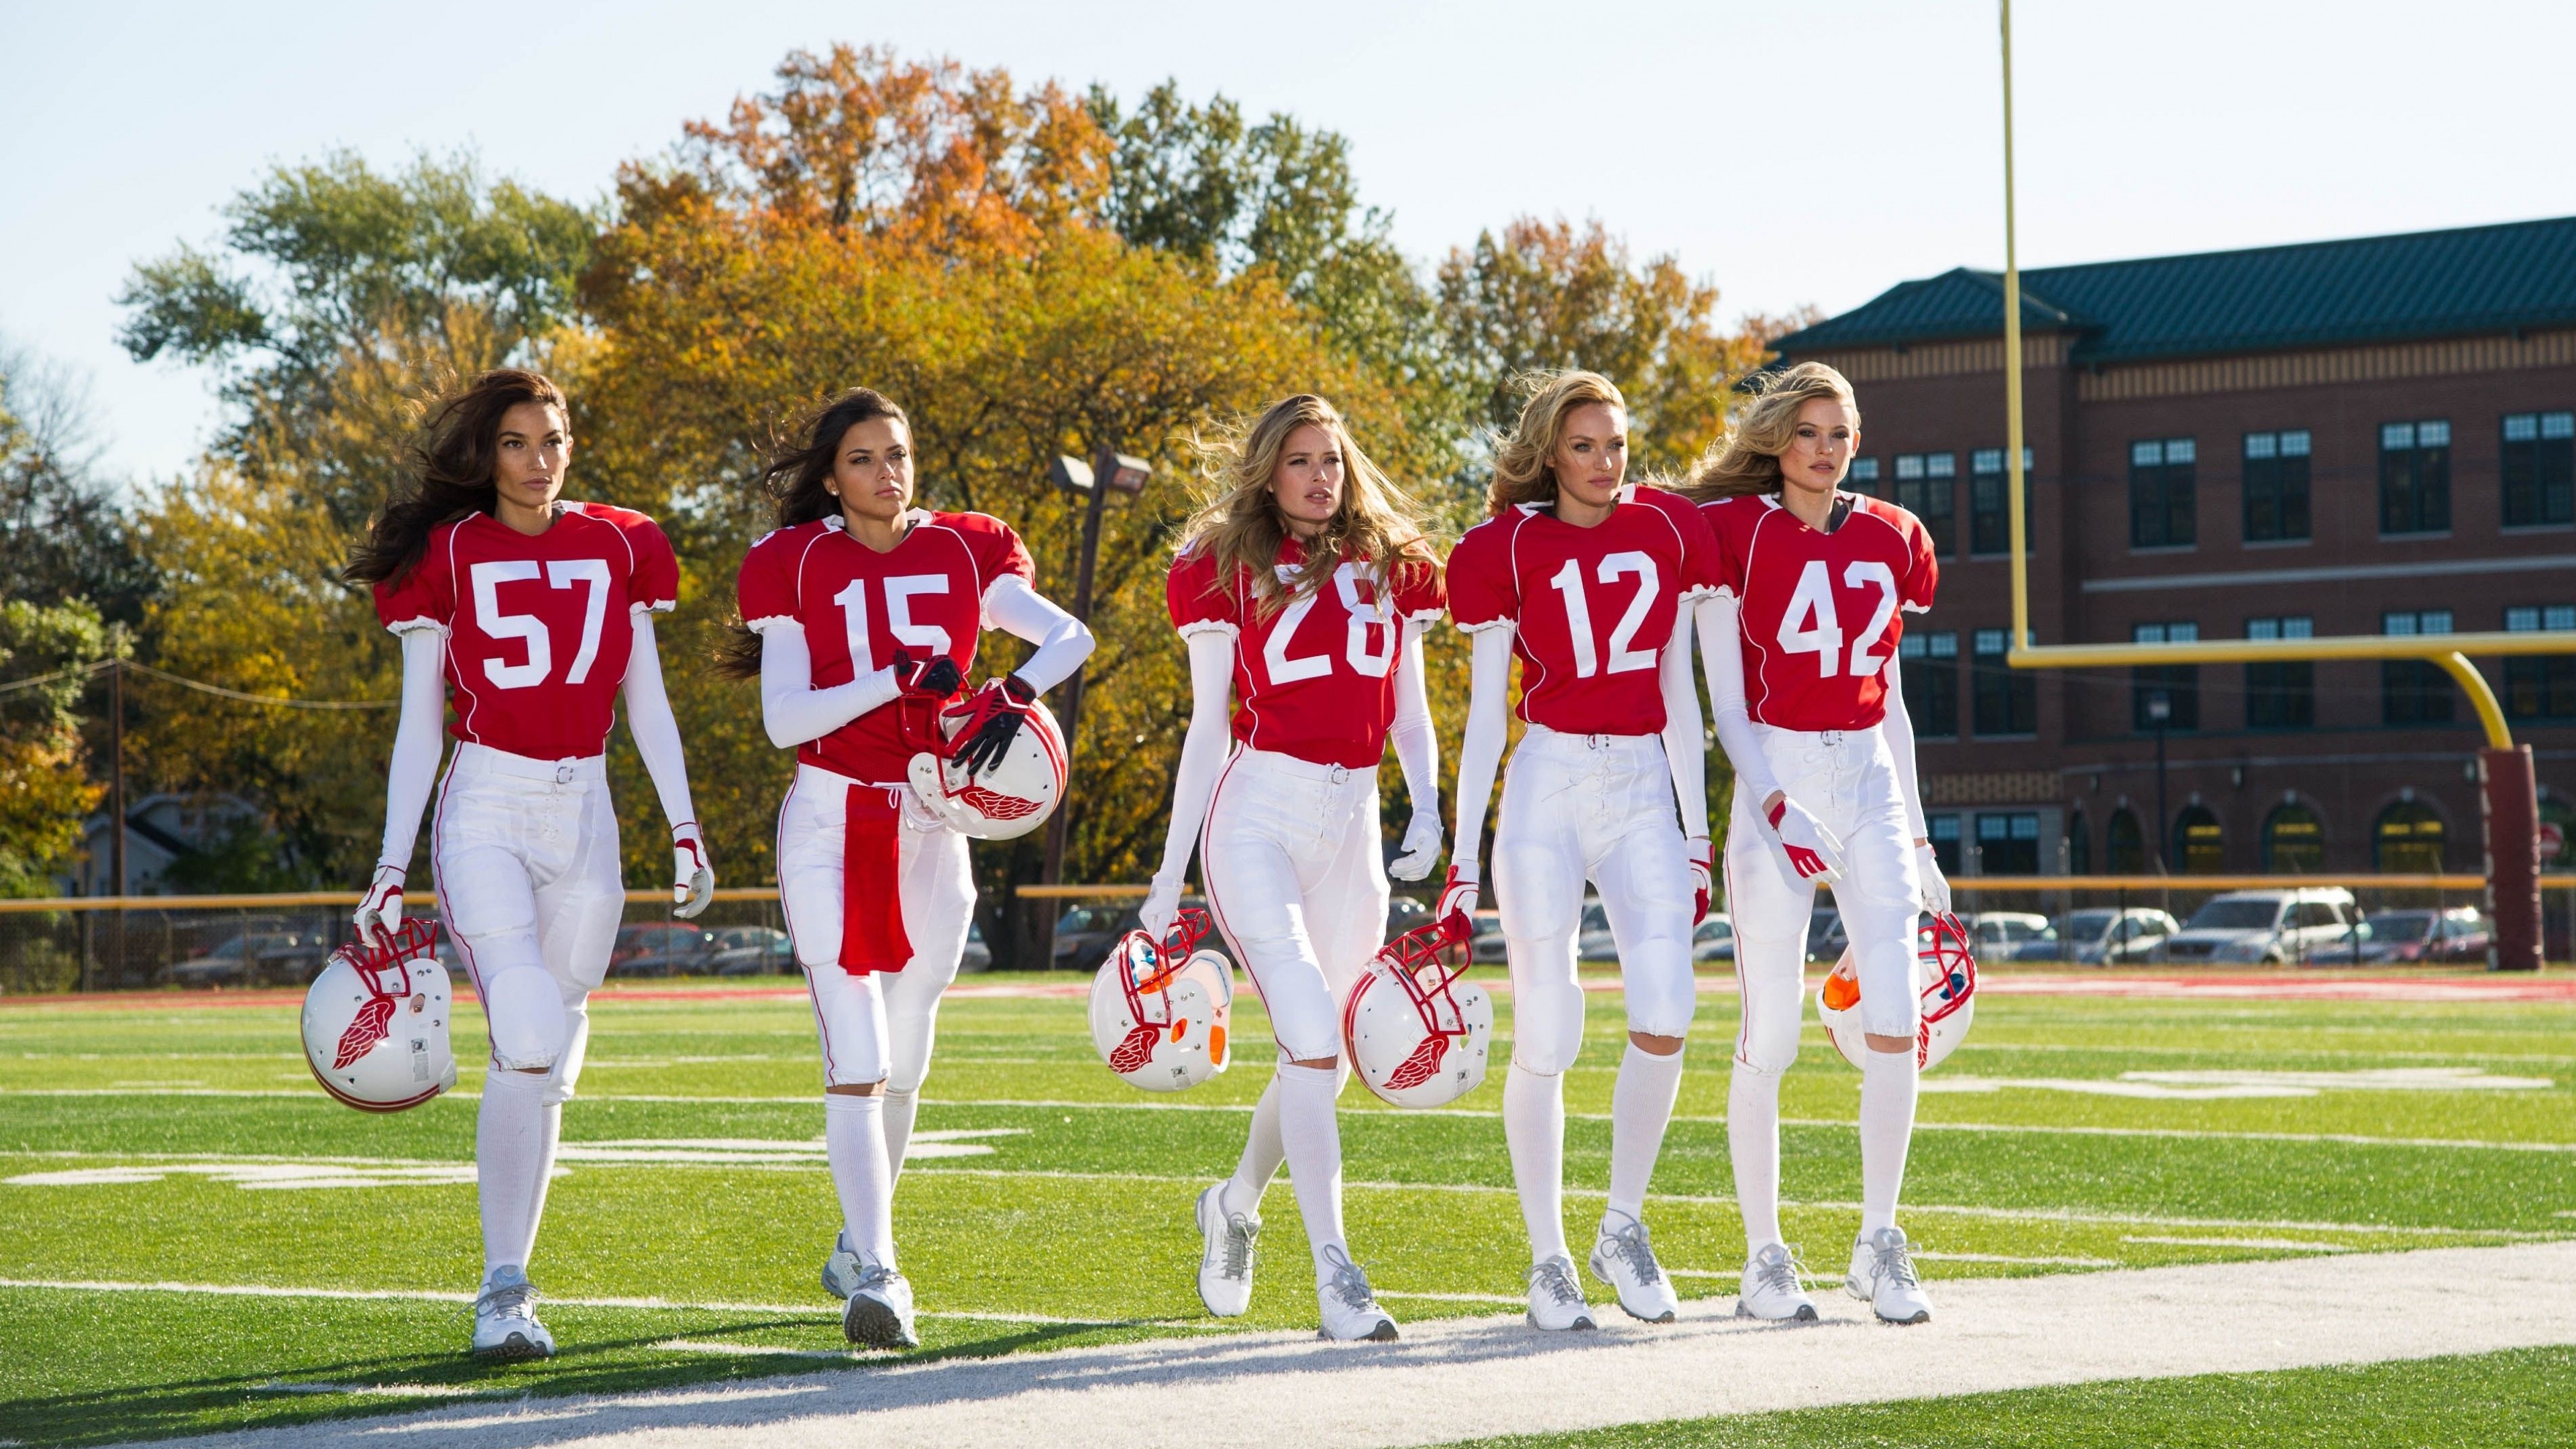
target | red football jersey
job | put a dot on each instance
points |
(1593, 606)
(1316, 678)
(924, 596)
(539, 629)
(1821, 612)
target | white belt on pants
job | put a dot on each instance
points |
(474, 759)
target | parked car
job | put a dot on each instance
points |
(977, 956)
(1715, 938)
(2458, 934)
(751, 951)
(256, 957)
(2274, 927)
(1485, 948)
(2000, 935)
(661, 948)
(1404, 913)
(1084, 934)
(1592, 938)
(1825, 939)
(2105, 938)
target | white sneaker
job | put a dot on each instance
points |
(1350, 1310)
(880, 1311)
(1770, 1290)
(1625, 1261)
(505, 1317)
(1555, 1299)
(1225, 1266)
(1882, 1275)
(841, 1270)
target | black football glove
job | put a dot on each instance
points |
(935, 678)
(991, 721)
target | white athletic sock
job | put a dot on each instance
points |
(1311, 1136)
(1262, 1154)
(1641, 1105)
(854, 1143)
(900, 1108)
(1753, 1140)
(514, 1140)
(1887, 1087)
(1534, 1125)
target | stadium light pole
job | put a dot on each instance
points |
(1111, 469)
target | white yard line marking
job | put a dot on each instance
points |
(751, 1350)
(427, 1295)
(388, 1391)
(2286, 1245)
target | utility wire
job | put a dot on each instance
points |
(16, 685)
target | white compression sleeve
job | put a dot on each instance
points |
(1417, 744)
(1722, 639)
(656, 730)
(1063, 643)
(1683, 743)
(1898, 727)
(1203, 749)
(791, 707)
(1480, 751)
(414, 769)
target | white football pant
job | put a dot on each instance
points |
(1289, 854)
(878, 1027)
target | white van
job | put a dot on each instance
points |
(2270, 928)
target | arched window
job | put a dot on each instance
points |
(2079, 844)
(2294, 840)
(2408, 839)
(2200, 846)
(2125, 844)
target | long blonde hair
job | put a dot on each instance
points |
(1522, 472)
(1747, 459)
(1238, 523)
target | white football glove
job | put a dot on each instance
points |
(1936, 886)
(694, 880)
(1457, 908)
(1697, 848)
(1162, 907)
(1809, 854)
(380, 909)
(1422, 843)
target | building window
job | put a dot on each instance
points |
(2407, 839)
(1863, 477)
(1927, 486)
(2179, 684)
(2415, 477)
(2540, 686)
(2539, 469)
(2008, 843)
(2079, 843)
(2007, 700)
(1931, 674)
(2414, 691)
(1989, 496)
(2294, 841)
(2125, 845)
(2200, 846)
(1945, 843)
(2276, 486)
(2161, 481)
(2281, 694)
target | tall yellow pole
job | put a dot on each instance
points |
(2015, 483)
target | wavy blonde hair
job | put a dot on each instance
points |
(1239, 525)
(1747, 459)
(1522, 473)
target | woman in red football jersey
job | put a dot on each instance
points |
(861, 614)
(1589, 580)
(539, 614)
(1811, 713)
(1302, 588)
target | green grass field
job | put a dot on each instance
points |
(178, 1142)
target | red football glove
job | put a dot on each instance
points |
(992, 720)
(1457, 909)
(1698, 849)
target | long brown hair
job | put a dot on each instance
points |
(794, 479)
(1522, 469)
(1238, 522)
(457, 460)
(1747, 459)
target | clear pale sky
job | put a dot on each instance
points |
(1790, 152)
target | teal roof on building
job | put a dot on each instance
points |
(2470, 280)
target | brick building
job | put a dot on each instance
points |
(2351, 437)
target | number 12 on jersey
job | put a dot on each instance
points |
(1578, 612)
(1809, 625)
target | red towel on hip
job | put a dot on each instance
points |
(872, 934)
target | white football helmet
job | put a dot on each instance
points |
(1945, 970)
(1159, 1011)
(1417, 1042)
(375, 1022)
(1008, 798)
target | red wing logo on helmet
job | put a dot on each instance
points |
(1422, 1066)
(371, 1026)
(994, 805)
(1137, 1050)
